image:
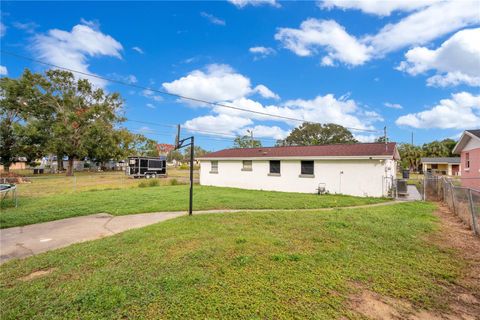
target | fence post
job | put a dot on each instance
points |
(424, 188)
(452, 190)
(472, 211)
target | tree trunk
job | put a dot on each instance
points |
(6, 167)
(70, 166)
(59, 162)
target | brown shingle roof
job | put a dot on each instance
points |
(333, 150)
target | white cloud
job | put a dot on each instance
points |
(138, 49)
(151, 106)
(3, 29)
(219, 123)
(451, 79)
(218, 82)
(3, 71)
(265, 92)
(380, 8)
(28, 27)
(261, 52)
(461, 111)
(151, 95)
(73, 49)
(212, 18)
(427, 23)
(255, 3)
(128, 78)
(456, 61)
(392, 105)
(261, 131)
(328, 35)
(94, 24)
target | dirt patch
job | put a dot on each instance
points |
(462, 298)
(37, 274)
(376, 307)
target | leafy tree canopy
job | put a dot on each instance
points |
(317, 134)
(246, 141)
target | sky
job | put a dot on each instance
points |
(412, 66)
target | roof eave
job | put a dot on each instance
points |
(372, 157)
(461, 143)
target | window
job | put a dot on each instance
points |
(214, 166)
(155, 164)
(467, 160)
(247, 165)
(275, 167)
(307, 168)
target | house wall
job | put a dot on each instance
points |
(441, 167)
(359, 178)
(15, 166)
(471, 176)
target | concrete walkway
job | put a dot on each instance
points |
(20, 242)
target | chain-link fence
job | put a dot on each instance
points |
(463, 201)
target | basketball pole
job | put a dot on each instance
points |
(180, 143)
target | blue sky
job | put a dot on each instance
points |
(412, 66)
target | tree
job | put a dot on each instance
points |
(308, 134)
(246, 141)
(174, 155)
(78, 110)
(435, 149)
(449, 144)
(381, 139)
(197, 151)
(410, 155)
(22, 120)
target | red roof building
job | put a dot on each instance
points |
(357, 150)
(361, 169)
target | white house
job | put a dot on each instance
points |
(362, 169)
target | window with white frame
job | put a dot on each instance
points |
(467, 160)
(247, 165)
(214, 166)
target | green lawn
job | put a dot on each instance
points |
(263, 265)
(163, 198)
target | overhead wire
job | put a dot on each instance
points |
(217, 104)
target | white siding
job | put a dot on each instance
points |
(359, 178)
(472, 144)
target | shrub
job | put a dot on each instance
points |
(151, 183)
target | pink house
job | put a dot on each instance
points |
(469, 149)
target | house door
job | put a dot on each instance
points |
(455, 169)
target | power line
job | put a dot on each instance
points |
(171, 94)
(225, 134)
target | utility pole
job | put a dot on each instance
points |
(385, 137)
(412, 138)
(180, 143)
(251, 137)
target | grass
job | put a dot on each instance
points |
(162, 198)
(268, 265)
(50, 184)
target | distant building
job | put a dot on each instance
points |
(362, 169)
(164, 148)
(468, 147)
(20, 163)
(449, 166)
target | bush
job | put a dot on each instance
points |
(151, 183)
(173, 182)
